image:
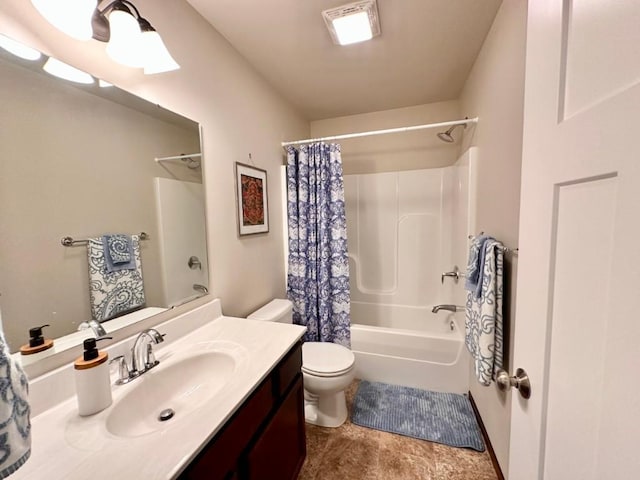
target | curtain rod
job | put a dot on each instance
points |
(178, 157)
(382, 132)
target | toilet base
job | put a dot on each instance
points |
(328, 410)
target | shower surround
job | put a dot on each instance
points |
(405, 229)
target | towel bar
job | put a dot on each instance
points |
(504, 249)
(70, 242)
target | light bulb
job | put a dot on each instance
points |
(157, 58)
(72, 17)
(125, 45)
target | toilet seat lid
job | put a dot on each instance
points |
(326, 359)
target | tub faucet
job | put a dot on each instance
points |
(450, 308)
(200, 288)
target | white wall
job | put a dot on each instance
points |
(240, 115)
(494, 92)
(395, 152)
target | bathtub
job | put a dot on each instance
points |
(409, 346)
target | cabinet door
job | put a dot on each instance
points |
(221, 456)
(281, 449)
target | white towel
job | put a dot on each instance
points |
(15, 422)
(483, 318)
(113, 293)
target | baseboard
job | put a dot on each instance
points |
(492, 454)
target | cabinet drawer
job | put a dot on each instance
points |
(287, 371)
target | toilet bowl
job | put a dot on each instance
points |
(327, 369)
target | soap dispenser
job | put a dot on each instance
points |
(37, 342)
(93, 386)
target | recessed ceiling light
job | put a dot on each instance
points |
(18, 49)
(352, 23)
(67, 72)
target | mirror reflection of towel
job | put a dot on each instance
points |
(113, 293)
(118, 252)
(15, 422)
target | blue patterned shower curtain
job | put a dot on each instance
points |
(318, 276)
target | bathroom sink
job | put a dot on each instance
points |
(179, 385)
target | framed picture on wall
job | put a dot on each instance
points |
(251, 189)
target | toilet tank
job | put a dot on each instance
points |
(277, 310)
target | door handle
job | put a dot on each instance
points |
(520, 381)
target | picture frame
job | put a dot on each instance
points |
(252, 204)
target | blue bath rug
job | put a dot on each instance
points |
(445, 418)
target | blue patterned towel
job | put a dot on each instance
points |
(118, 252)
(483, 315)
(15, 420)
(113, 293)
(473, 283)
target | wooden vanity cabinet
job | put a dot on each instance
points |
(265, 438)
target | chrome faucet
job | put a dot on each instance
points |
(142, 360)
(448, 307)
(200, 288)
(98, 329)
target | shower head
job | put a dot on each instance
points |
(191, 162)
(446, 136)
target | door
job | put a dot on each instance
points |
(577, 331)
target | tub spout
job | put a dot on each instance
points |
(450, 308)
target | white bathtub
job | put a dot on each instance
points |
(409, 346)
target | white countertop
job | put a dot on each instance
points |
(67, 446)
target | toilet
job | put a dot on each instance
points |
(327, 369)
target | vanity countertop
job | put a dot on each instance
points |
(67, 446)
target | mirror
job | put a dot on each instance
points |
(83, 162)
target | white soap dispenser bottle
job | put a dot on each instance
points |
(93, 385)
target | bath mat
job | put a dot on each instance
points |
(445, 418)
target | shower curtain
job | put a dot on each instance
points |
(318, 274)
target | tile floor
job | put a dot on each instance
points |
(351, 452)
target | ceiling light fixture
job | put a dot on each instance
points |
(18, 49)
(353, 23)
(67, 72)
(132, 41)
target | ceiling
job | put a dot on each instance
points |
(423, 55)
